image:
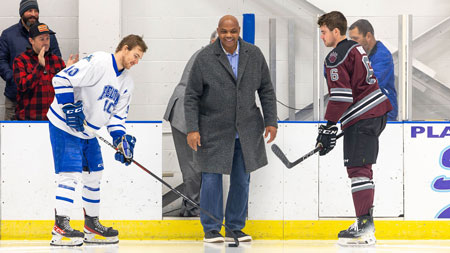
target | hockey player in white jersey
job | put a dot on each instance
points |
(92, 93)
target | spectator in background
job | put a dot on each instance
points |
(33, 72)
(192, 176)
(14, 41)
(381, 60)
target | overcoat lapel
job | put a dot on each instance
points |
(243, 59)
(223, 59)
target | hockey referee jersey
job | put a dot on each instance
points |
(353, 88)
(104, 90)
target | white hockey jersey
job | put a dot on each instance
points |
(104, 91)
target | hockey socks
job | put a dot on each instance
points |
(363, 191)
(65, 192)
(91, 192)
(362, 232)
(363, 188)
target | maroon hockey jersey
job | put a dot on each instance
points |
(353, 88)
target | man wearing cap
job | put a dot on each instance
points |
(14, 41)
(33, 71)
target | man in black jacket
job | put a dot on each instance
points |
(14, 41)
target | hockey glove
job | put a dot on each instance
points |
(125, 146)
(326, 138)
(74, 115)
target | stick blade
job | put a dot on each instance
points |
(279, 153)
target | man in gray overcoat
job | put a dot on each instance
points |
(192, 176)
(225, 126)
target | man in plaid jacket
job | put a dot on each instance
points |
(33, 71)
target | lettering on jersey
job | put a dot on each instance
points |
(334, 74)
(333, 57)
(111, 96)
(361, 50)
(88, 58)
(370, 79)
(429, 131)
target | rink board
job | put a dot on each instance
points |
(295, 203)
(28, 179)
(319, 187)
(427, 170)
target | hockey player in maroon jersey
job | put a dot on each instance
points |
(358, 103)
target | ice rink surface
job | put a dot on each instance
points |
(255, 246)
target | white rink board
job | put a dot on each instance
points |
(300, 182)
(266, 187)
(316, 188)
(28, 178)
(319, 187)
(422, 166)
(334, 187)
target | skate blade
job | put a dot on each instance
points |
(60, 240)
(367, 240)
(98, 239)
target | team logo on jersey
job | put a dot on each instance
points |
(88, 58)
(333, 57)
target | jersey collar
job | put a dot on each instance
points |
(342, 41)
(118, 73)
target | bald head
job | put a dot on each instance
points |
(228, 31)
(228, 18)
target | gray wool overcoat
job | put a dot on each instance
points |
(218, 106)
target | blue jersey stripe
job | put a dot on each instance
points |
(62, 87)
(116, 126)
(92, 189)
(91, 200)
(115, 116)
(66, 187)
(65, 98)
(57, 115)
(63, 77)
(64, 199)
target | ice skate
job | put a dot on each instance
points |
(94, 232)
(64, 235)
(360, 233)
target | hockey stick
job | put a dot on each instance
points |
(279, 153)
(236, 241)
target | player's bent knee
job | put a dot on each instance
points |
(92, 178)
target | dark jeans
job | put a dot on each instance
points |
(211, 196)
